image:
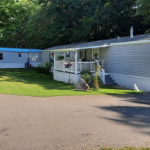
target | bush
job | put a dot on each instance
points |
(48, 66)
(86, 77)
(40, 69)
(46, 69)
(100, 82)
(86, 72)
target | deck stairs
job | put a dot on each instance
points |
(109, 80)
(105, 78)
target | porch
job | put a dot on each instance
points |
(79, 60)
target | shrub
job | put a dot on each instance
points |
(86, 77)
(100, 82)
(46, 69)
(40, 69)
(86, 72)
(48, 66)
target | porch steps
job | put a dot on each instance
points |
(109, 80)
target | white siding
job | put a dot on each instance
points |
(12, 65)
(103, 53)
(45, 57)
(35, 57)
(128, 81)
(12, 57)
(131, 60)
(128, 64)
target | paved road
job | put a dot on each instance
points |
(74, 123)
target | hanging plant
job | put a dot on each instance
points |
(67, 64)
(60, 57)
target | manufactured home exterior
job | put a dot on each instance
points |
(125, 60)
(16, 58)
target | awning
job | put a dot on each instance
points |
(76, 49)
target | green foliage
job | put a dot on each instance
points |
(14, 20)
(86, 77)
(83, 72)
(143, 9)
(100, 82)
(48, 66)
(96, 82)
(44, 69)
(46, 23)
(60, 57)
(40, 69)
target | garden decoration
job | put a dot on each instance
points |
(68, 65)
(136, 88)
(82, 85)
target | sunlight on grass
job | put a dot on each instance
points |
(28, 82)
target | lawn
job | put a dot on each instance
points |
(30, 83)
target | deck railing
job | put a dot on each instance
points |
(59, 65)
(85, 66)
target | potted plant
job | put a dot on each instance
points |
(67, 64)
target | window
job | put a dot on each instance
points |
(68, 54)
(1, 56)
(19, 55)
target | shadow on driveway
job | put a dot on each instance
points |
(137, 116)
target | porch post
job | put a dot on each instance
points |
(76, 57)
(92, 53)
(63, 63)
(54, 60)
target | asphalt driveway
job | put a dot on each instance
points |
(74, 123)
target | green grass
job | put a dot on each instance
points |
(30, 83)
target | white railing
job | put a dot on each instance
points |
(71, 68)
(85, 66)
(101, 73)
(103, 64)
(59, 65)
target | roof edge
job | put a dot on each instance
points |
(130, 43)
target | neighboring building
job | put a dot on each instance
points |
(126, 60)
(16, 57)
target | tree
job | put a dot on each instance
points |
(46, 23)
(10, 10)
(143, 8)
(68, 21)
(14, 20)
